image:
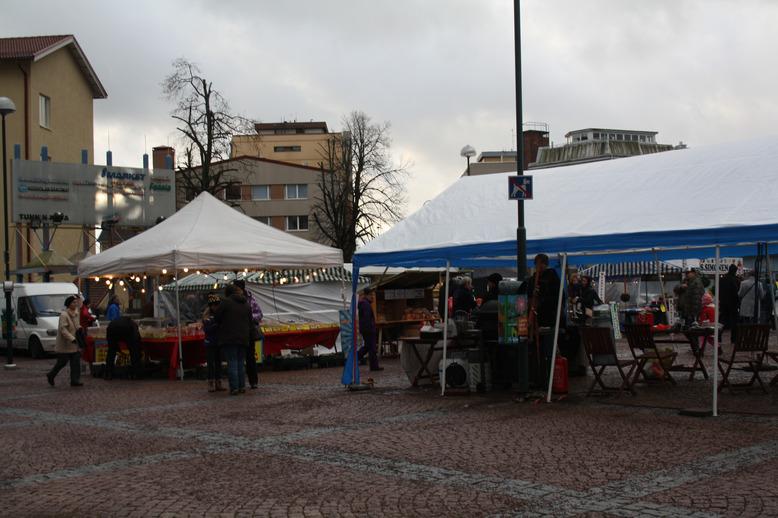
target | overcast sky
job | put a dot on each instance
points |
(441, 71)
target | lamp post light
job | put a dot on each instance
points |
(468, 151)
(7, 107)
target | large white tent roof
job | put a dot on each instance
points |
(210, 235)
(721, 194)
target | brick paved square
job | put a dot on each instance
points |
(301, 445)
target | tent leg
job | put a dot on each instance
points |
(556, 326)
(445, 333)
(715, 376)
(178, 320)
(772, 286)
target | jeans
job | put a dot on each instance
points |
(236, 357)
(75, 365)
(213, 360)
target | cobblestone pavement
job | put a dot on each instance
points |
(302, 446)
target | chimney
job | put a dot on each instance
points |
(159, 154)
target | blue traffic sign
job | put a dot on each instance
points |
(519, 187)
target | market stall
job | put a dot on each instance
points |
(207, 235)
(643, 211)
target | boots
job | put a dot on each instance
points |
(219, 387)
(211, 386)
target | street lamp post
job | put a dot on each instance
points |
(468, 151)
(7, 107)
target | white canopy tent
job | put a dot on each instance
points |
(675, 204)
(208, 234)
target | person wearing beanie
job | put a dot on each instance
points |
(66, 346)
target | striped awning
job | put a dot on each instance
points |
(217, 280)
(631, 269)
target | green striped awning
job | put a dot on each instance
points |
(216, 280)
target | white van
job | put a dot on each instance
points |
(37, 307)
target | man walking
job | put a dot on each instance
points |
(367, 329)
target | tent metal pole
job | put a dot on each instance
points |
(556, 326)
(715, 376)
(178, 326)
(771, 291)
(445, 333)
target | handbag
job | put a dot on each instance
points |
(81, 338)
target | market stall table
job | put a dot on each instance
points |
(392, 324)
(424, 371)
(692, 338)
(297, 339)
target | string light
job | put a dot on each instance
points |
(225, 276)
(143, 290)
(164, 271)
(215, 285)
(110, 285)
(121, 283)
(245, 270)
(198, 272)
(144, 277)
(186, 270)
(97, 279)
(107, 282)
(160, 288)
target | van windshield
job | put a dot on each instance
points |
(48, 305)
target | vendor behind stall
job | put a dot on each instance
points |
(123, 330)
(543, 291)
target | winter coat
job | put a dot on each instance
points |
(728, 294)
(236, 325)
(256, 311)
(66, 332)
(123, 329)
(86, 318)
(692, 297)
(211, 329)
(747, 294)
(366, 318)
(113, 312)
(548, 297)
(464, 300)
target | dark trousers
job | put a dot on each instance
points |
(110, 360)
(251, 366)
(213, 360)
(540, 360)
(370, 349)
(75, 365)
(729, 320)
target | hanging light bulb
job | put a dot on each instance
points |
(160, 288)
(296, 279)
(186, 270)
(215, 285)
(144, 277)
(107, 282)
(110, 285)
(97, 279)
(245, 270)
(121, 283)
(164, 271)
(198, 272)
(225, 276)
(143, 290)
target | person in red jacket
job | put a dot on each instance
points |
(85, 316)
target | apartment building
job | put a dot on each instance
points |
(279, 194)
(301, 143)
(53, 86)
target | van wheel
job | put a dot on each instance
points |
(35, 348)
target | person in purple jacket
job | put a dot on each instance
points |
(256, 315)
(367, 329)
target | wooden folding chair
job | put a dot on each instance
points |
(643, 348)
(601, 353)
(749, 349)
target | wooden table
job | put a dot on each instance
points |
(692, 337)
(424, 370)
(388, 324)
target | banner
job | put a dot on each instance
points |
(512, 318)
(347, 343)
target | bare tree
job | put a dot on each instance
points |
(361, 189)
(204, 118)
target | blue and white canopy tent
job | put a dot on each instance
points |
(671, 205)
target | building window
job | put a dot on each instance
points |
(286, 149)
(642, 138)
(260, 192)
(263, 219)
(596, 136)
(612, 136)
(232, 192)
(296, 223)
(44, 109)
(296, 191)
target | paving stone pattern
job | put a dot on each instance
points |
(302, 446)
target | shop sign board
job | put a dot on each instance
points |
(601, 285)
(414, 293)
(519, 187)
(708, 266)
(91, 194)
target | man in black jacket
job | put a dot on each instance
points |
(543, 300)
(236, 329)
(728, 301)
